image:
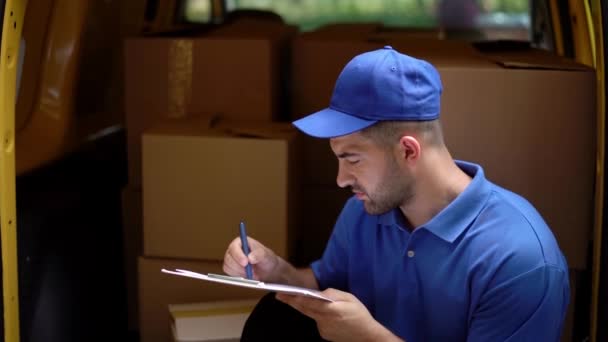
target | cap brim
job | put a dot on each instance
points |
(330, 123)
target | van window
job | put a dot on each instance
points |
(487, 19)
(195, 11)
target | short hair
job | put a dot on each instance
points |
(387, 133)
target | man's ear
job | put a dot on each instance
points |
(409, 148)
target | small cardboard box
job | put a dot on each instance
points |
(157, 290)
(210, 321)
(198, 184)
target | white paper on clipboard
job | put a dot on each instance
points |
(252, 284)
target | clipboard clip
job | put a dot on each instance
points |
(237, 279)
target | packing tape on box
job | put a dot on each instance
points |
(180, 77)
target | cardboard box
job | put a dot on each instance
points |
(321, 206)
(391, 33)
(199, 184)
(514, 122)
(518, 114)
(132, 247)
(157, 290)
(176, 77)
(372, 32)
(345, 30)
(319, 163)
(210, 321)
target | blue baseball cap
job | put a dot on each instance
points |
(374, 86)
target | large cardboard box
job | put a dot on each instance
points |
(157, 290)
(372, 32)
(527, 117)
(237, 71)
(199, 184)
(345, 30)
(515, 122)
(321, 206)
(132, 247)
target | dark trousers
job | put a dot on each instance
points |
(272, 320)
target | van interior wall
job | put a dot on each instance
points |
(70, 246)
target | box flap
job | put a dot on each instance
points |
(215, 125)
(348, 29)
(386, 32)
(343, 31)
(183, 31)
(439, 52)
(536, 61)
(258, 132)
(521, 55)
(251, 28)
(188, 126)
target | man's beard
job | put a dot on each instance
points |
(394, 190)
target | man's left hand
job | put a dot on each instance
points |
(345, 319)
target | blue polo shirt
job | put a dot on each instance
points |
(486, 268)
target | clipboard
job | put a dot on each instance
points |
(249, 283)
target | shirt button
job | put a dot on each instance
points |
(410, 253)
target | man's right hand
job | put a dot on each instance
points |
(265, 262)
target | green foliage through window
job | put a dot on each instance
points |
(310, 14)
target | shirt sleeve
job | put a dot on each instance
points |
(332, 269)
(529, 307)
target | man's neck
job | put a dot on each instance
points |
(440, 182)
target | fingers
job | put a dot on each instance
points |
(230, 267)
(311, 307)
(234, 259)
(253, 243)
(257, 251)
(338, 295)
(316, 308)
(257, 255)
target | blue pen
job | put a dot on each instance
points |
(245, 249)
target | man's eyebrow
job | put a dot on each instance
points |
(347, 154)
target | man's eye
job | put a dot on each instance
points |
(352, 161)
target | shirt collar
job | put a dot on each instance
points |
(393, 218)
(453, 219)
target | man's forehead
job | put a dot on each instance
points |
(354, 141)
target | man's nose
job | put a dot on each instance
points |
(344, 178)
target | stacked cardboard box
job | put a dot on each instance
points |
(186, 208)
(200, 183)
(234, 71)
